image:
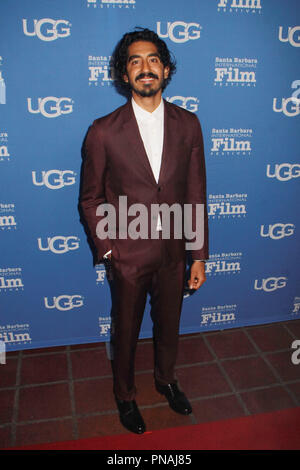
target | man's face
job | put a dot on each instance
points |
(145, 71)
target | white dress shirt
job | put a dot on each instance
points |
(151, 127)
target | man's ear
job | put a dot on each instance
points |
(125, 77)
(166, 72)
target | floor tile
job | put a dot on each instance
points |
(44, 432)
(193, 350)
(162, 417)
(90, 363)
(44, 402)
(231, 344)
(267, 399)
(5, 437)
(249, 372)
(294, 327)
(8, 373)
(295, 389)
(214, 409)
(271, 337)
(95, 395)
(6, 405)
(202, 380)
(44, 368)
(283, 365)
(100, 425)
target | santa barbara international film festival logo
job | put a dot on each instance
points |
(11, 280)
(178, 31)
(243, 6)
(46, 29)
(231, 142)
(102, 273)
(235, 71)
(4, 152)
(54, 179)
(7, 216)
(50, 106)
(16, 334)
(296, 306)
(227, 206)
(218, 315)
(223, 263)
(104, 325)
(100, 71)
(119, 4)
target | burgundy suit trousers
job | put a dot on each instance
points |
(163, 280)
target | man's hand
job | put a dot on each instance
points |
(197, 277)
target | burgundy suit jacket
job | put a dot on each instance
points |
(116, 164)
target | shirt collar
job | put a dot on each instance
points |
(143, 115)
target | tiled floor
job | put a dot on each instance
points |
(65, 393)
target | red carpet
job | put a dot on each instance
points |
(279, 430)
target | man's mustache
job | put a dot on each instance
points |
(146, 75)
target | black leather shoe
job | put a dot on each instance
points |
(130, 416)
(176, 398)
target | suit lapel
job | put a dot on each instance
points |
(135, 142)
(168, 152)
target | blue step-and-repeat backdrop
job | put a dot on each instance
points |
(238, 70)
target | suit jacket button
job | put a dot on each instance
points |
(159, 188)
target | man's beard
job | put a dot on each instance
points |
(147, 91)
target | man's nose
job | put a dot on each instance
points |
(145, 66)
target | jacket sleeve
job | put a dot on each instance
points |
(197, 218)
(92, 192)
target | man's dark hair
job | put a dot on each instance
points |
(120, 56)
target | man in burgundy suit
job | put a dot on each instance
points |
(150, 151)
